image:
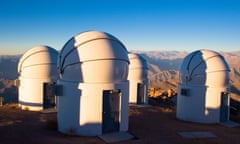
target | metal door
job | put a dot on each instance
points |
(224, 109)
(111, 108)
(49, 99)
(140, 93)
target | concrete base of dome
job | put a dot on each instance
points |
(80, 107)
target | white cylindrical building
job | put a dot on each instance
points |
(93, 87)
(138, 79)
(203, 92)
(37, 71)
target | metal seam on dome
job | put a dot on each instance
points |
(39, 64)
(194, 54)
(90, 61)
(107, 59)
(202, 62)
(22, 60)
(60, 55)
(76, 47)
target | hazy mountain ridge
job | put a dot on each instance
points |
(162, 60)
(8, 66)
(8, 91)
(168, 55)
(8, 72)
(164, 65)
(163, 70)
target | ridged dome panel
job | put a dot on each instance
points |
(204, 67)
(38, 62)
(93, 57)
(138, 67)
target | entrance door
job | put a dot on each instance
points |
(111, 108)
(49, 99)
(224, 109)
(140, 93)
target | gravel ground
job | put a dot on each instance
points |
(151, 124)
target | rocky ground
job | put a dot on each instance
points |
(152, 124)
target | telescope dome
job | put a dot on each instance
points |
(93, 57)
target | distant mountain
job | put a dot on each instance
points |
(163, 70)
(8, 66)
(169, 55)
(233, 59)
(8, 91)
(164, 60)
(163, 65)
(8, 72)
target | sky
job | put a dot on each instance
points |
(147, 25)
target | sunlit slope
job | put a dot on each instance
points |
(163, 70)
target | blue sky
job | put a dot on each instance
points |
(140, 24)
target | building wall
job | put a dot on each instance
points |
(200, 103)
(133, 90)
(31, 93)
(135, 76)
(81, 104)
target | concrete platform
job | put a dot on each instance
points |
(198, 134)
(116, 137)
(230, 124)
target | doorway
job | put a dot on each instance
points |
(224, 108)
(49, 99)
(141, 93)
(111, 111)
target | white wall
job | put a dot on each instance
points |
(31, 93)
(80, 107)
(202, 104)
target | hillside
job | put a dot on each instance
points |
(8, 66)
(8, 72)
(164, 65)
(163, 71)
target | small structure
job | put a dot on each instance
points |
(37, 71)
(203, 92)
(93, 87)
(138, 79)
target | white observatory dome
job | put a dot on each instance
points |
(38, 62)
(138, 67)
(203, 91)
(138, 79)
(83, 57)
(204, 67)
(37, 71)
(93, 89)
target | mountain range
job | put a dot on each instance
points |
(163, 70)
